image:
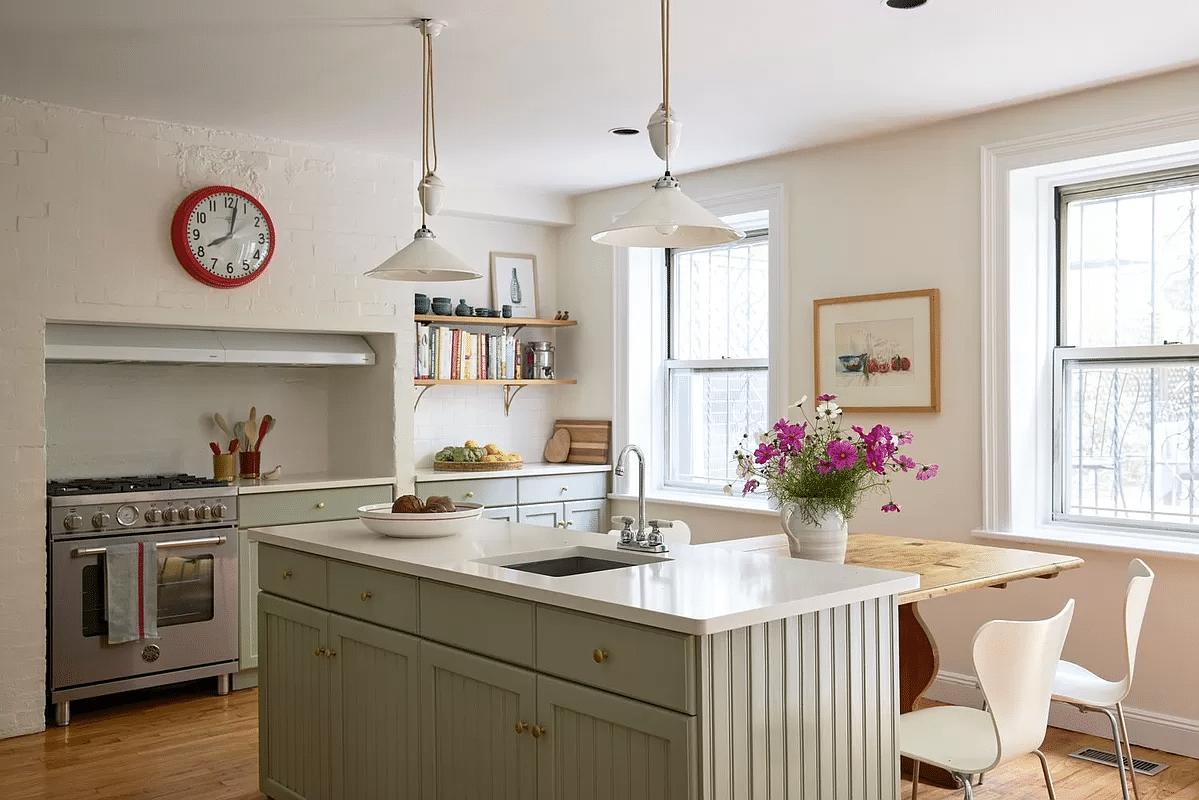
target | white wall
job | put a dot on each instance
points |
(85, 204)
(902, 211)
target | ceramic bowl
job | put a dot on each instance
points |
(380, 519)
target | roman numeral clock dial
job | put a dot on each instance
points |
(222, 236)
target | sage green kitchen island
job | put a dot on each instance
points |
(426, 668)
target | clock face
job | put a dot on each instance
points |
(222, 236)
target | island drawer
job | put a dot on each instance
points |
(308, 505)
(478, 621)
(488, 491)
(557, 488)
(288, 573)
(644, 663)
(384, 598)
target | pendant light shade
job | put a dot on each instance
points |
(667, 218)
(424, 259)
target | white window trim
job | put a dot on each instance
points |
(1018, 261)
(634, 337)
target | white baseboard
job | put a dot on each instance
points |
(1146, 728)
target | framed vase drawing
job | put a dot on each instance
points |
(880, 352)
(514, 283)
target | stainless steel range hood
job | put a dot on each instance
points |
(67, 342)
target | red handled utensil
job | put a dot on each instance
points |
(233, 445)
(263, 427)
(216, 448)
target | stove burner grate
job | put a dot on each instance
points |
(130, 483)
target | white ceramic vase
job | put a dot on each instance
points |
(825, 540)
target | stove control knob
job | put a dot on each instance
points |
(202, 512)
(188, 514)
(72, 522)
(219, 510)
(154, 516)
(171, 515)
(101, 520)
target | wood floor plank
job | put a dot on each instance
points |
(187, 744)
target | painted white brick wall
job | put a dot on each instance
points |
(86, 201)
(449, 415)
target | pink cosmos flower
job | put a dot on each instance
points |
(842, 454)
(765, 452)
(927, 472)
(824, 398)
(905, 437)
(905, 463)
(791, 437)
(824, 467)
(749, 487)
(891, 507)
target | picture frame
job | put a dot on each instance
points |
(880, 352)
(514, 283)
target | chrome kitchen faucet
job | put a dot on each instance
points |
(639, 541)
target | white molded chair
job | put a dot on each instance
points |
(1015, 662)
(1088, 692)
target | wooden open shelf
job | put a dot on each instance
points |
(493, 322)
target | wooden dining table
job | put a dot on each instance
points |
(944, 568)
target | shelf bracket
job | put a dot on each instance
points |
(419, 395)
(510, 394)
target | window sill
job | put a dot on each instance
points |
(1100, 539)
(702, 501)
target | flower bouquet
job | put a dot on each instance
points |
(818, 472)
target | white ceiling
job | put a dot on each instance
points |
(527, 89)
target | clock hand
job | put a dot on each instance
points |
(232, 219)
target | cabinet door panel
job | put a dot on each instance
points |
(247, 600)
(547, 514)
(470, 708)
(503, 513)
(293, 701)
(375, 698)
(587, 515)
(603, 747)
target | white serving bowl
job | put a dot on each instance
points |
(380, 519)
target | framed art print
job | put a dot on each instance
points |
(514, 283)
(880, 352)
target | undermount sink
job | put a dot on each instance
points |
(564, 561)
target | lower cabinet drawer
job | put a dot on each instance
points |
(477, 621)
(560, 488)
(288, 573)
(491, 492)
(308, 505)
(374, 595)
(644, 663)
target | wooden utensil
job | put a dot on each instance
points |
(216, 448)
(251, 427)
(220, 423)
(263, 427)
(239, 430)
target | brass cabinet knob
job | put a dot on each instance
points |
(599, 655)
(366, 596)
(565, 488)
(570, 523)
(286, 574)
(330, 653)
(320, 505)
(320, 651)
(520, 727)
(470, 494)
(539, 731)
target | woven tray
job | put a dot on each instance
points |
(476, 466)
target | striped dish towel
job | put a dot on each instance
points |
(131, 590)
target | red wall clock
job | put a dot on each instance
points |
(222, 236)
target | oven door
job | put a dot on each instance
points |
(197, 607)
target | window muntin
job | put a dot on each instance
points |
(716, 371)
(1126, 392)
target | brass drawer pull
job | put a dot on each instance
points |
(520, 727)
(366, 596)
(539, 731)
(330, 653)
(320, 505)
(286, 574)
(599, 655)
(470, 494)
(320, 651)
(565, 488)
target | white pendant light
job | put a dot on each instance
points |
(424, 259)
(667, 218)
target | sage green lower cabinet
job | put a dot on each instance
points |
(579, 515)
(478, 717)
(503, 513)
(337, 708)
(574, 500)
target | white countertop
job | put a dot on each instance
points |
(700, 590)
(313, 480)
(530, 468)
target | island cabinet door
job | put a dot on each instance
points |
(586, 515)
(293, 701)
(605, 747)
(547, 514)
(476, 737)
(374, 719)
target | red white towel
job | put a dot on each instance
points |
(131, 591)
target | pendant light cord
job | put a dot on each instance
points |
(666, 75)
(428, 116)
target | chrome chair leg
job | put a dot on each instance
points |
(1045, 769)
(1132, 773)
(1111, 717)
(915, 778)
(967, 788)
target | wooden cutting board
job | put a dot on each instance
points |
(589, 439)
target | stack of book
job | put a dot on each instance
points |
(444, 353)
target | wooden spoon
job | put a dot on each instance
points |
(220, 423)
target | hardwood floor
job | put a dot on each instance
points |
(184, 743)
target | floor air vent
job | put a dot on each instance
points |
(1106, 757)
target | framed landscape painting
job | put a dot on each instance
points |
(514, 283)
(880, 352)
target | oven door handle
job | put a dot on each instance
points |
(99, 551)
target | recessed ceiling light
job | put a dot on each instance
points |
(624, 131)
(904, 3)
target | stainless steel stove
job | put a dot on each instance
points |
(192, 522)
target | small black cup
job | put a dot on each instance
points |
(506, 310)
(421, 301)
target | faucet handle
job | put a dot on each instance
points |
(654, 537)
(626, 532)
(661, 523)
